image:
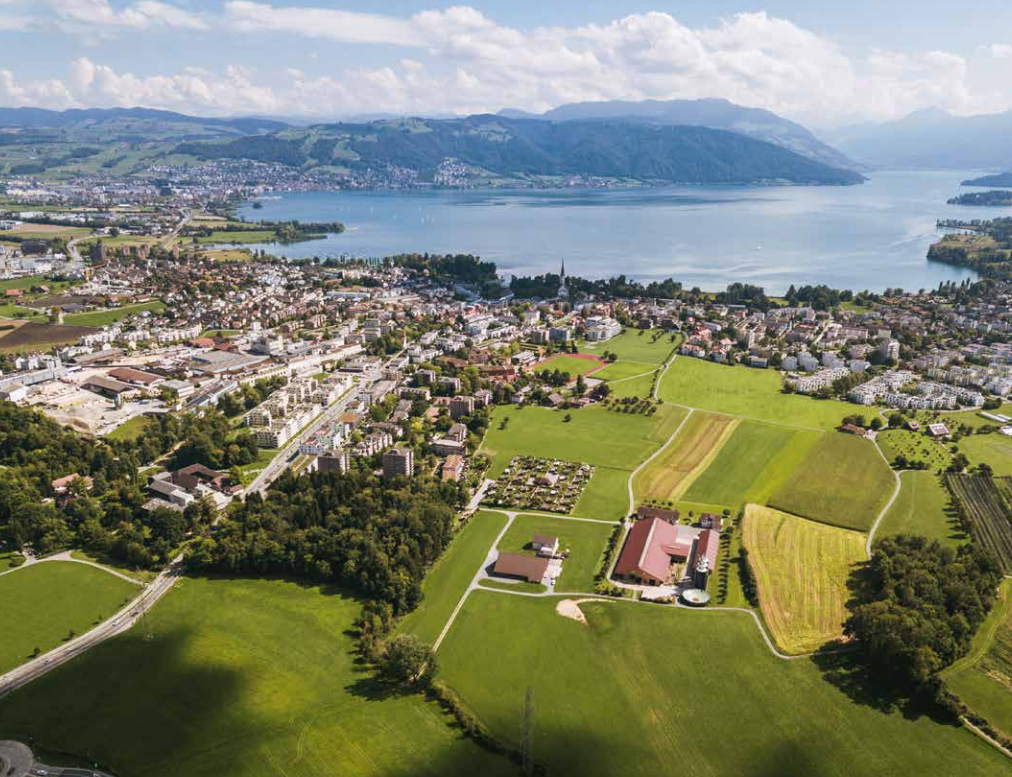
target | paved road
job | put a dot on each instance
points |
(119, 623)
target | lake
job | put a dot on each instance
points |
(871, 236)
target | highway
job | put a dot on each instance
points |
(119, 623)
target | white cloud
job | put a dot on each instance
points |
(84, 15)
(1000, 50)
(459, 60)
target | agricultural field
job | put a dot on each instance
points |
(631, 387)
(42, 603)
(19, 312)
(450, 576)
(995, 450)
(538, 431)
(573, 364)
(28, 282)
(982, 679)
(671, 473)
(753, 463)
(584, 540)
(747, 392)
(624, 371)
(843, 481)
(606, 496)
(36, 335)
(913, 447)
(44, 232)
(923, 507)
(99, 318)
(986, 502)
(627, 692)
(243, 678)
(637, 345)
(801, 569)
(234, 238)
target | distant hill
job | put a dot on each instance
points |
(931, 138)
(998, 179)
(158, 123)
(524, 148)
(713, 113)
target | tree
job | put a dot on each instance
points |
(408, 661)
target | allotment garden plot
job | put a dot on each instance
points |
(530, 483)
(801, 569)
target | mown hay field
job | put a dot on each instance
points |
(692, 450)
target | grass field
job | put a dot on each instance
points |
(574, 365)
(112, 315)
(251, 678)
(585, 542)
(19, 312)
(235, 238)
(634, 387)
(752, 464)
(131, 430)
(636, 347)
(44, 232)
(606, 496)
(747, 392)
(450, 576)
(672, 472)
(624, 370)
(42, 603)
(801, 568)
(628, 694)
(537, 431)
(995, 450)
(922, 508)
(983, 677)
(843, 481)
(914, 447)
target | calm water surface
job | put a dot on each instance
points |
(871, 236)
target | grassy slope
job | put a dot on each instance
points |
(606, 496)
(242, 677)
(106, 317)
(632, 346)
(41, 603)
(801, 568)
(536, 431)
(843, 481)
(634, 387)
(585, 541)
(649, 690)
(747, 392)
(131, 430)
(697, 444)
(574, 365)
(623, 370)
(923, 507)
(448, 579)
(992, 449)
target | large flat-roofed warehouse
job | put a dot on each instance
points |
(218, 362)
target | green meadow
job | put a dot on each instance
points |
(648, 690)
(923, 507)
(624, 370)
(637, 346)
(913, 447)
(111, 315)
(606, 496)
(746, 392)
(995, 450)
(574, 365)
(251, 678)
(585, 542)
(842, 481)
(42, 603)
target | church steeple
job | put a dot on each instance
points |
(562, 272)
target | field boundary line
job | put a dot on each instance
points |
(994, 743)
(651, 457)
(708, 458)
(881, 515)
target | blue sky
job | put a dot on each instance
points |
(823, 63)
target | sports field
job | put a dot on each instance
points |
(922, 508)
(450, 576)
(747, 392)
(753, 463)
(42, 603)
(694, 448)
(633, 691)
(801, 568)
(594, 435)
(574, 365)
(636, 347)
(913, 447)
(982, 679)
(251, 678)
(842, 481)
(585, 542)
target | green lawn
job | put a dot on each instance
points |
(634, 387)
(914, 447)
(42, 603)
(446, 582)
(623, 370)
(131, 430)
(19, 312)
(251, 678)
(752, 464)
(636, 347)
(230, 238)
(585, 542)
(606, 496)
(633, 692)
(922, 508)
(574, 365)
(748, 392)
(28, 281)
(992, 449)
(595, 435)
(843, 481)
(112, 315)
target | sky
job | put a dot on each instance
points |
(823, 63)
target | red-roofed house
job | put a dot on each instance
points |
(649, 548)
